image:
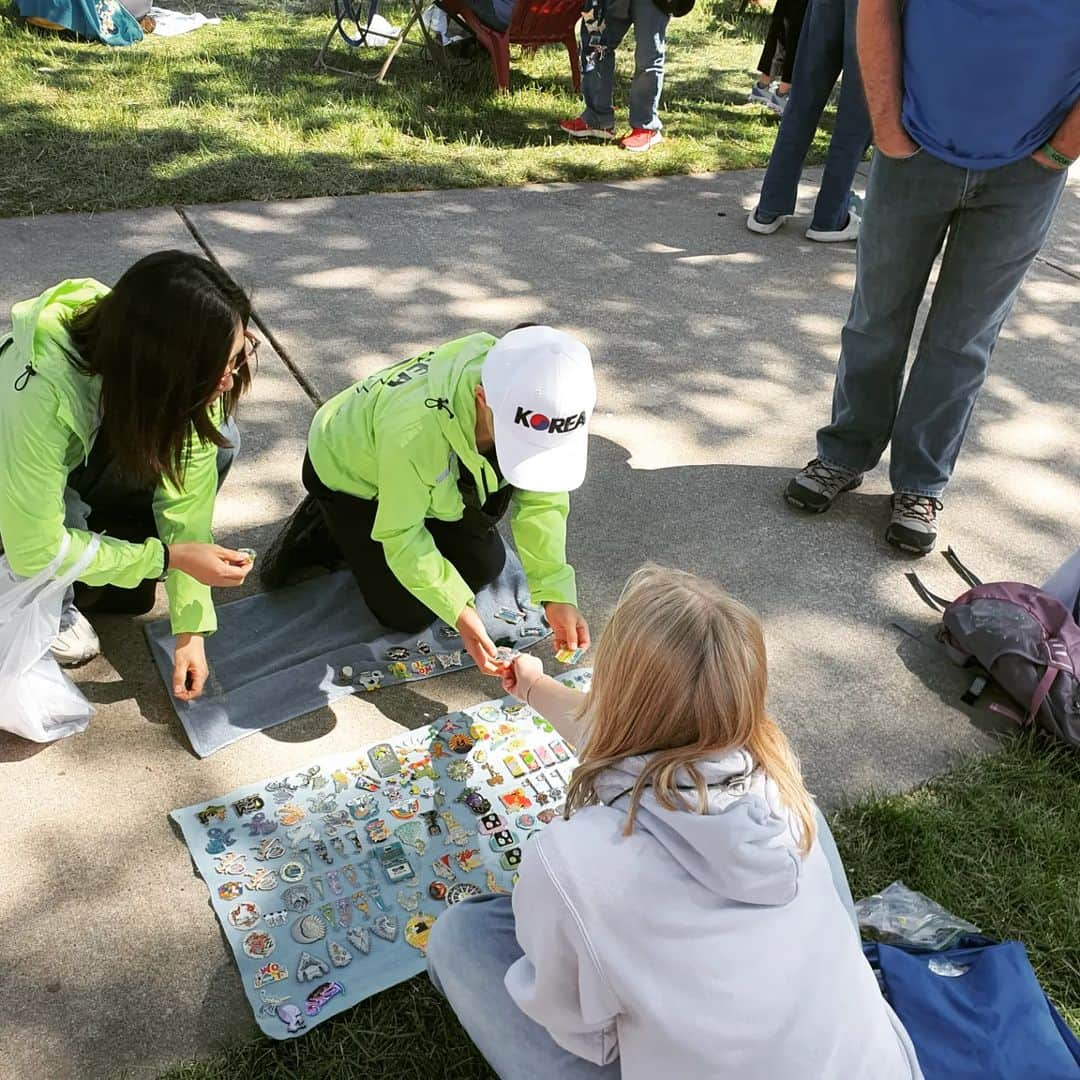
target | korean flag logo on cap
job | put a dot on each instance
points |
(539, 385)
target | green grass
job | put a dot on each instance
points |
(994, 841)
(237, 112)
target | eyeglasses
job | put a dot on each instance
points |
(248, 353)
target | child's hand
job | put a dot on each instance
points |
(522, 675)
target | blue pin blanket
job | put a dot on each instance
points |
(327, 881)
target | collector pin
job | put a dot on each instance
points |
(258, 944)
(230, 863)
(360, 939)
(309, 968)
(270, 973)
(297, 897)
(321, 996)
(244, 916)
(308, 929)
(270, 848)
(218, 840)
(386, 927)
(292, 872)
(248, 805)
(211, 813)
(418, 930)
(231, 890)
(463, 890)
(290, 814)
(339, 956)
(263, 879)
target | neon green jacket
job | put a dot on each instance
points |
(386, 438)
(47, 429)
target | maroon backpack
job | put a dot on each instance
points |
(1022, 639)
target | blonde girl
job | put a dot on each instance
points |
(683, 921)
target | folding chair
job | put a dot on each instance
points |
(355, 30)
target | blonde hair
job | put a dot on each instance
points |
(680, 674)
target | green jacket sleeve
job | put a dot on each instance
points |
(538, 522)
(33, 476)
(184, 514)
(404, 499)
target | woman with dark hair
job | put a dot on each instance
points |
(116, 414)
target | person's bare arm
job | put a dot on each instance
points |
(557, 703)
(881, 65)
(1066, 140)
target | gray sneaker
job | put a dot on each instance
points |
(77, 642)
(914, 522)
(815, 487)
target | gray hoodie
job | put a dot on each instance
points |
(700, 946)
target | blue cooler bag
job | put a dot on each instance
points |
(976, 1012)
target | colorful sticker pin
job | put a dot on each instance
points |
(469, 860)
(219, 840)
(437, 890)
(322, 995)
(515, 800)
(290, 814)
(211, 813)
(514, 766)
(418, 930)
(491, 883)
(270, 973)
(244, 916)
(423, 667)
(258, 944)
(532, 763)
(248, 805)
(569, 656)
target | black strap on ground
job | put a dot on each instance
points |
(954, 561)
(925, 595)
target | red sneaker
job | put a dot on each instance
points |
(639, 140)
(580, 130)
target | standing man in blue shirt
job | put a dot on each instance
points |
(976, 112)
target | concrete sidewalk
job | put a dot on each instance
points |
(715, 352)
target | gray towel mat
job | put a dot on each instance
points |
(280, 654)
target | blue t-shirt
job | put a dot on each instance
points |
(986, 82)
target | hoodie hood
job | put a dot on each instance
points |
(39, 329)
(743, 848)
(453, 381)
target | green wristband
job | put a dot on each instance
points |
(1060, 160)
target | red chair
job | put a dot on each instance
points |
(534, 23)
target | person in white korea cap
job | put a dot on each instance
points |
(409, 472)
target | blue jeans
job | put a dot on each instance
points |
(826, 47)
(470, 950)
(1064, 584)
(598, 85)
(992, 224)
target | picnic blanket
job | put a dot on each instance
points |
(281, 654)
(327, 881)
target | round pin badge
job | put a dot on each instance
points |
(463, 890)
(258, 944)
(437, 890)
(244, 916)
(525, 821)
(292, 872)
(308, 929)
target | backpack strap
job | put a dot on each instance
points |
(932, 600)
(1043, 688)
(954, 561)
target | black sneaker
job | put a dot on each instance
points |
(304, 541)
(914, 522)
(815, 488)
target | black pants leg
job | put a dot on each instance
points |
(109, 502)
(473, 545)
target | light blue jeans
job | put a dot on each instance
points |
(1064, 584)
(598, 85)
(472, 946)
(992, 224)
(826, 47)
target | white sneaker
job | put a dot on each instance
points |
(77, 642)
(849, 232)
(765, 228)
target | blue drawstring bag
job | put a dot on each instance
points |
(976, 1012)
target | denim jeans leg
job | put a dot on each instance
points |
(598, 85)
(850, 138)
(818, 63)
(1064, 583)
(650, 30)
(999, 229)
(909, 204)
(472, 946)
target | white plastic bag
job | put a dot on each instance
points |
(37, 700)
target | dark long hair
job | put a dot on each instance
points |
(160, 342)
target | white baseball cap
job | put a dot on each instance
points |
(539, 384)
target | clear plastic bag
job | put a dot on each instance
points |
(901, 915)
(37, 700)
